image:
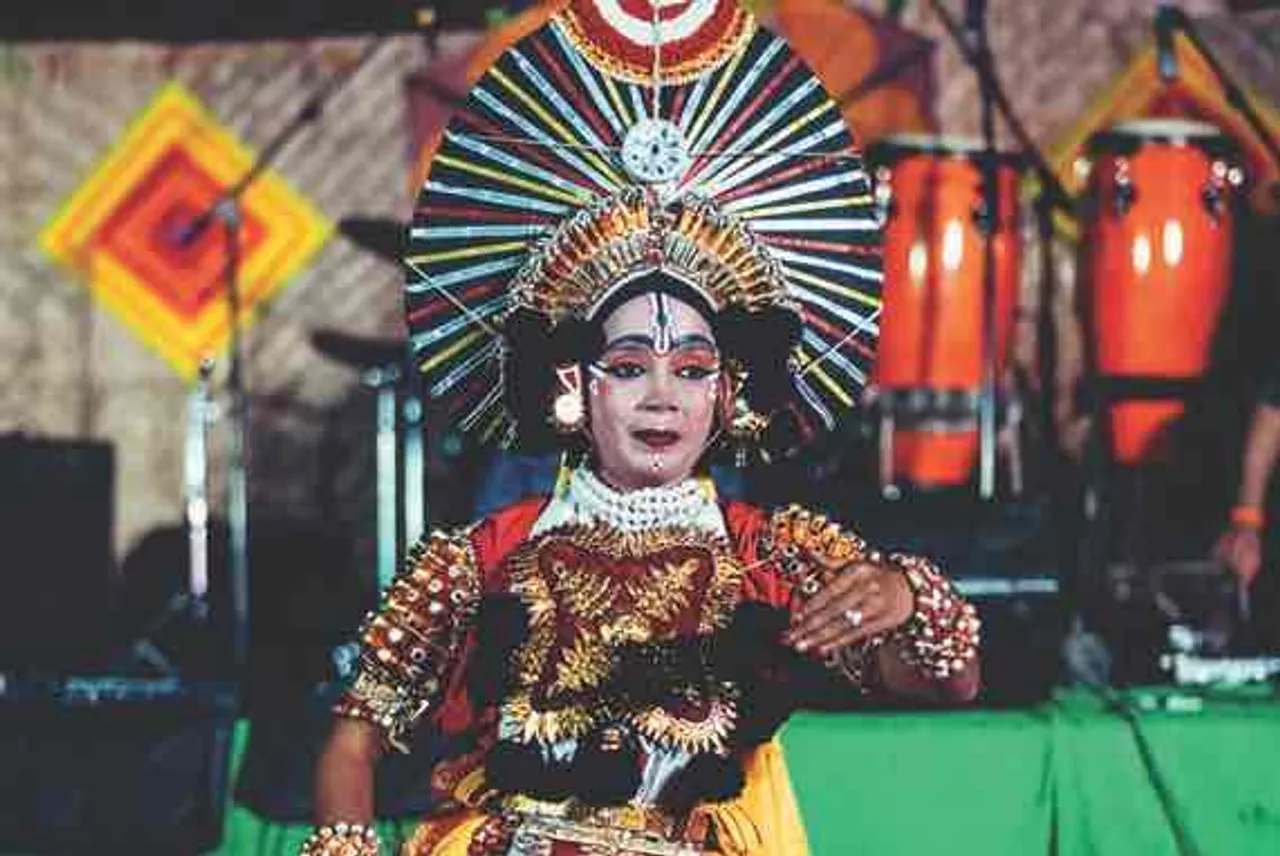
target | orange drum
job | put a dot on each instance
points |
(929, 359)
(1156, 265)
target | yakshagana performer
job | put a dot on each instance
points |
(650, 239)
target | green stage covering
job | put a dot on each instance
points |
(1069, 778)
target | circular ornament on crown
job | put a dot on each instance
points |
(683, 38)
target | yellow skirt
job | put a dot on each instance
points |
(761, 821)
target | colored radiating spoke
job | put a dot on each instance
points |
(540, 138)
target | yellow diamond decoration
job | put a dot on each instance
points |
(126, 231)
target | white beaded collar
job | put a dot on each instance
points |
(583, 498)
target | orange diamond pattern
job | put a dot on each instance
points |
(122, 232)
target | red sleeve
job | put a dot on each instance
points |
(762, 582)
(500, 533)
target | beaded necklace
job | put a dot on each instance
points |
(587, 499)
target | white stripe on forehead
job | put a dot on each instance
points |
(662, 323)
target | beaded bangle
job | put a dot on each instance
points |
(342, 839)
(1248, 517)
(941, 636)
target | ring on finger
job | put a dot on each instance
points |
(854, 617)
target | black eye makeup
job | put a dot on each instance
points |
(622, 368)
(625, 363)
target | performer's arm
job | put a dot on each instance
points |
(410, 648)
(1240, 547)
(344, 775)
(922, 635)
(901, 678)
(892, 624)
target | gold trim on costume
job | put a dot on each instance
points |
(710, 734)
(581, 612)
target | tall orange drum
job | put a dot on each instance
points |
(1156, 264)
(929, 360)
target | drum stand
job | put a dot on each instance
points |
(1100, 469)
(990, 214)
(200, 413)
(384, 380)
(972, 43)
(192, 603)
(400, 465)
(385, 366)
(1235, 95)
(943, 411)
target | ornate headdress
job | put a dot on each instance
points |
(603, 147)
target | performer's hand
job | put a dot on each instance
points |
(1240, 549)
(864, 600)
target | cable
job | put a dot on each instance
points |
(1118, 705)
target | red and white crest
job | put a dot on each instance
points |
(681, 38)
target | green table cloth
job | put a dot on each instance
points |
(1147, 773)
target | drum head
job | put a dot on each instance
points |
(1128, 136)
(895, 147)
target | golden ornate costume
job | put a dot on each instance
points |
(614, 682)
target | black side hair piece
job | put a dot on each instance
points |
(762, 342)
(576, 341)
(528, 374)
(533, 351)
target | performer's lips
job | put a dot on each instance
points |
(656, 439)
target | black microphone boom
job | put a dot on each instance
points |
(1168, 19)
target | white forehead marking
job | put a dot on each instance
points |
(662, 325)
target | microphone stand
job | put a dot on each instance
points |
(1234, 93)
(196, 479)
(989, 224)
(1052, 196)
(226, 210)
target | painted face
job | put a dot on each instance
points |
(652, 393)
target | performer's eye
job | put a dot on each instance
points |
(695, 371)
(624, 369)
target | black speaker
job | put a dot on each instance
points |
(55, 536)
(1023, 625)
(305, 599)
(114, 766)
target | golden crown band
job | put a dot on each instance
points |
(623, 236)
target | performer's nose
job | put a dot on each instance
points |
(660, 394)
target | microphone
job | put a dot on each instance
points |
(1168, 19)
(975, 14)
